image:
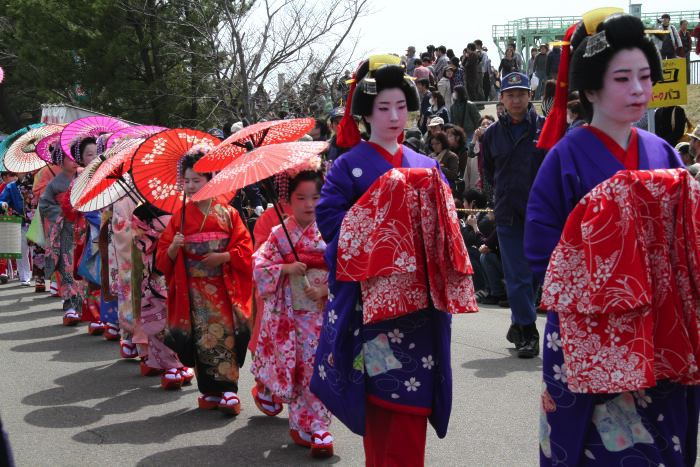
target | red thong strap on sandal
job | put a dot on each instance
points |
(263, 404)
(320, 448)
(230, 403)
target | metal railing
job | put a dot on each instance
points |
(694, 72)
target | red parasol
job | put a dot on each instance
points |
(131, 132)
(257, 165)
(254, 136)
(260, 164)
(111, 182)
(89, 126)
(44, 146)
(81, 182)
(155, 166)
(21, 156)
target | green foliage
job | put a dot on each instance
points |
(136, 59)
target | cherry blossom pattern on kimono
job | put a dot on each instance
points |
(625, 280)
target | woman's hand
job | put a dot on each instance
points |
(178, 242)
(316, 293)
(213, 260)
(483, 249)
(295, 268)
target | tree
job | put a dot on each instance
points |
(171, 62)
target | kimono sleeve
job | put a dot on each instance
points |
(267, 266)
(552, 197)
(163, 262)
(336, 199)
(48, 206)
(240, 245)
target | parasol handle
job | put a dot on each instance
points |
(275, 205)
(137, 198)
(182, 214)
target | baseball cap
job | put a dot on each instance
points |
(515, 80)
(435, 121)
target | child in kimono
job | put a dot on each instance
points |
(294, 292)
(207, 262)
(613, 70)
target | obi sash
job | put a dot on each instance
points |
(402, 241)
(625, 280)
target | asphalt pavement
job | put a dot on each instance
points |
(67, 399)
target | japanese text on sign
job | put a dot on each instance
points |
(672, 89)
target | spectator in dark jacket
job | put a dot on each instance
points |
(470, 63)
(540, 70)
(479, 233)
(449, 162)
(552, 63)
(463, 113)
(511, 161)
(508, 63)
(424, 94)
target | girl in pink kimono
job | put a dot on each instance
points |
(294, 293)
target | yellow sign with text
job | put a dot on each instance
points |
(672, 89)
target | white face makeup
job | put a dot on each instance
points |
(626, 88)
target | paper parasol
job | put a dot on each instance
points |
(21, 156)
(43, 147)
(257, 165)
(136, 131)
(7, 142)
(111, 180)
(89, 126)
(156, 164)
(257, 135)
(81, 182)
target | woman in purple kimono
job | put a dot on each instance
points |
(387, 379)
(614, 71)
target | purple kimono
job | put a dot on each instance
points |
(650, 427)
(401, 364)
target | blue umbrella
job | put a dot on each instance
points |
(7, 142)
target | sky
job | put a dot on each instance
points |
(396, 24)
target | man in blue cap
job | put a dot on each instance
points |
(511, 161)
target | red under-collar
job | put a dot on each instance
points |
(395, 159)
(628, 158)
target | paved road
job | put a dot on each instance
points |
(67, 400)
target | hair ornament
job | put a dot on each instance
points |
(596, 44)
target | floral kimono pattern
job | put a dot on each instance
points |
(624, 282)
(218, 299)
(646, 427)
(402, 240)
(291, 323)
(151, 288)
(120, 264)
(60, 241)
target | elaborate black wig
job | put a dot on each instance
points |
(372, 83)
(592, 54)
(76, 150)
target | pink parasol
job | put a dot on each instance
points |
(254, 136)
(21, 156)
(136, 131)
(45, 145)
(89, 126)
(81, 182)
(110, 182)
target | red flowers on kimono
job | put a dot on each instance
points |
(401, 239)
(625, 280)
